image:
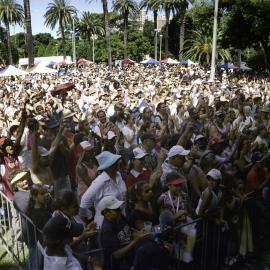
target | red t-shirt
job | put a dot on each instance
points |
(255, 178)
(131, 179)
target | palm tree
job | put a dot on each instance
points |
(10, 13)
(168, 6)
(29, 36)
(151, 5)
(125, 8)
(107, 31)
(199, 48)
(60, 12)
(90, 25)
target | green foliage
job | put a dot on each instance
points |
(44, 38)
(248, 24)
(149, 30)
(138, 45)
(4, 53)
(11, 12)
(200, 49)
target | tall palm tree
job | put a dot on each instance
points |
(199, 48)
(168, 6)
(107, 31)
(151, 5)
(60, 12)
(126, 8)
(10, 13)
(90, 25)
(183, 6)
(29, 36)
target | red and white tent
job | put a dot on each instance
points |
(128, 61)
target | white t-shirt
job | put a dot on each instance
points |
(130, 133)
(60, 263)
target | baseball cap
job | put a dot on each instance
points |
(86, 146)
(43, 151)
(219, 113)
(215, 174)
(111, 135)
(199, 137)
(178, 150)
(137, 153)
(109, 202)
(173, 178)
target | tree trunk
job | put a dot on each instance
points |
(29, 36)
(63, 39)
(107, 31)
(89, 47)
(9, 45)
(266, 49)
(155, 13)
(239, 52)
(167, 14)
(182, 20)
(125, 33)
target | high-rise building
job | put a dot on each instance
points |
(143, 16)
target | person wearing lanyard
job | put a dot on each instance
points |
(176, 201)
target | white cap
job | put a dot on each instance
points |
(86, 146)
(43, 151)
(111, 135)
(198, 137)
(139, 153)
(215, 174)
(178, 150)
(109, 202)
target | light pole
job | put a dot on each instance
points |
(160, 46)
(94, 37)
(214, 43)
(156, 32)
(74, 41)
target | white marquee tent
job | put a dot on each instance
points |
(12, 71)
(41, 69)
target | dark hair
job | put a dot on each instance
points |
(65, 199)
(33, 193)
(135, 191)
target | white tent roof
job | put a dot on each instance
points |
(40, 68)
(244, 67)
(172, 61)
(12, 71)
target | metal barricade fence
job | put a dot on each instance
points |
(18, 235)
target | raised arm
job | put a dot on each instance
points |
(56, 142)
(22, 126)
(35, 154)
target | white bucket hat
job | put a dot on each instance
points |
(106, 159)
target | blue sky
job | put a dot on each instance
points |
(38, 8)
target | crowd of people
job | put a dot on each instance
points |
(156, 166)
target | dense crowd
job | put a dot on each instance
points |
(135, 161)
